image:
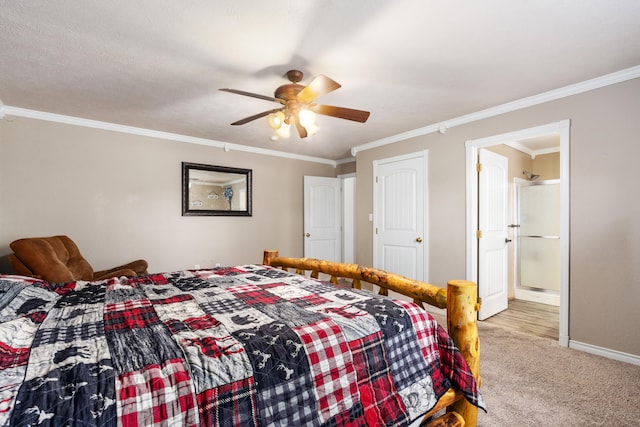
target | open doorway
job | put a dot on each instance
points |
(517, 140)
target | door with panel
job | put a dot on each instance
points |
(323, 218)
(400, 244)
(492, 234)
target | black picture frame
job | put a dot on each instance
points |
(209, 190)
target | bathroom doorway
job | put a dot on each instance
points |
(521, 142)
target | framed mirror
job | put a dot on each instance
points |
(215, 190)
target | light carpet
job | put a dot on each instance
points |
(533, 381)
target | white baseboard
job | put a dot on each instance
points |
(605, 352)
(541, 297)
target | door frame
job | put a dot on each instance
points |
(348, 217)
(471, 148)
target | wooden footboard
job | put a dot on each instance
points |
(460, 300)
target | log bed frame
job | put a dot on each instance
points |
(460, 300)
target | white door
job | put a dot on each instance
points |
(492, 235)
(400, 215)
(323, 218)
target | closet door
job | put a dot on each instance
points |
(323, 218)
(400, 241)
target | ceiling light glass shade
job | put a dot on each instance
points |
(307, 118)
(284, 131)
(275, 120)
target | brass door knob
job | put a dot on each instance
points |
(308, 235)
(419, 239)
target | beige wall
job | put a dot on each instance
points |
(547, 166)
(346, 168)
(605, 231)
(119, 197)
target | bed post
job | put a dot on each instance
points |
(268, 256)
(462, 315)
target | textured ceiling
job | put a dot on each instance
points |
(157, 64)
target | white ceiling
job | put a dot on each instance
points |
(157, 64)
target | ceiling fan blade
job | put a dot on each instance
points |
(319, 86)
(255, 116)
(301, 130)
(341, 112)
(254, 95)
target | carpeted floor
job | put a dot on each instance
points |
(532, 381)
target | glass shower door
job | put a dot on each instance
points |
(539, 236)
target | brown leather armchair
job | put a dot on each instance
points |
(58, 259)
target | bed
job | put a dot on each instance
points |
(250, 345)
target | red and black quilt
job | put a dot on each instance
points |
(242, 346)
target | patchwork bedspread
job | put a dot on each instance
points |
(242, 346)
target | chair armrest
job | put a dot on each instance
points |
(108, 274)
(131, 269)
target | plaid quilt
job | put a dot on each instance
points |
(242, 346)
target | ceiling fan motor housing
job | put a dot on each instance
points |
(288, 92)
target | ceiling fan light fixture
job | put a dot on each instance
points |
(307, 118)
(276, 120)
(284, 131)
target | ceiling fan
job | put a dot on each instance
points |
(297, 103)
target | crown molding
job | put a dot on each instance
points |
(345, 160)
(552, 95)
(532, 153)
(95, 124)
(396, 138)
(588, 85)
